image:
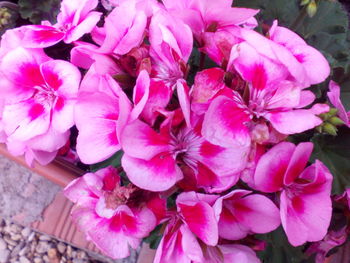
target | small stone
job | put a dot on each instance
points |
(37, 260)
(42, 247)
(3, 244)
(46, 258)
(10, 241)
(15, 228)
(44, 238)
(81, 254)
(23, 251)
(53, 253)
(78, 260)
(31, 236)
(23, 260)
(26, 232)
(4, 255)
(69, 251)
(16, 237)
(61, 247)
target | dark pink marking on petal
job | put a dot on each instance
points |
(210, 150)
(298, 204)
(259, 77)
(59, 104)
(52, 79)
(35, 111)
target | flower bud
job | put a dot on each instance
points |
(329, 128)
(311, 8)
(335, 121)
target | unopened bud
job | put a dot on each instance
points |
(319, 128)
(336, 121)
(311, 8)
(4, 21)
(329, 128)
(333, 111)
(304, 2)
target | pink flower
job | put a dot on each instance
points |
(195, 220)
(41, 94)
(214, 24)
(286, 51)
(108, 213)
(305, 203)
(334, 97)
(157, 160)
(269, 96)
(315, 65)
(171, 46)
(96, 115)
(74, 20)
(123, 30)
(239, 211)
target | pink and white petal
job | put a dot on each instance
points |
(219, 159)
(306, 98)
(134, 36)
(184, 100)
(294, 121)
(294, 228)
(41, 36)
(21, 67)
(271, 167)
(113, 242)
(141, 141)
(252, 208)
(238, 254)
(315, 64)
(42, 157)
(157, 174)
(230, 228)
(96, 119)
(62, 76)
(86, 26)
(298, 161)
(146, 222)
(190, 244)
(50, 141)
(141, 94)
(63, 114)
(77, 189)
(225, 123)
(25, 120)
(315, 214)
(201, 220)
(286, 95)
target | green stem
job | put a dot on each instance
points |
(300, 18)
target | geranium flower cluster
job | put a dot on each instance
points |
(216, 145)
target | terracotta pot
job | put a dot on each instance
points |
(62, 173)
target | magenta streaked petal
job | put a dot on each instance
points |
(225, 123)
(157, 174)
(272, 166)
(303, 120)
(199, 216)
(96, 119)
(40, 36)
(141, 141)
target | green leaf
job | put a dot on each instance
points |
(114, 161)
(334, 152)
(279, 250)
(37, 11)
(154, 237)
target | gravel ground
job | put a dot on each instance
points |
(22, 245)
